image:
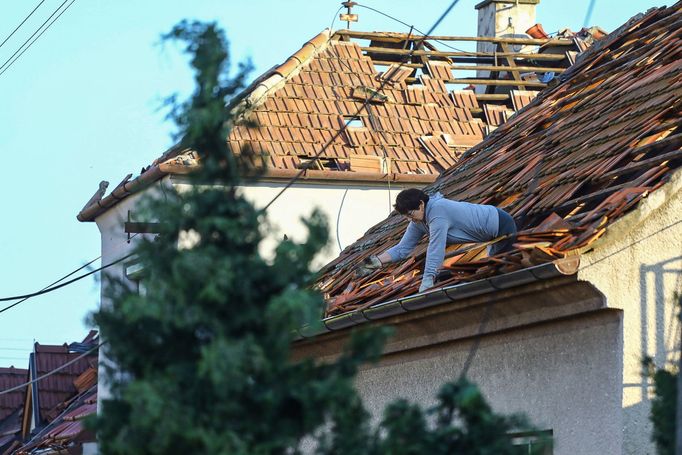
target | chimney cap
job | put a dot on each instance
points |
(485, 3)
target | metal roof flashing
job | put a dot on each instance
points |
(448, 294)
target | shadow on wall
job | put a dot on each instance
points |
(660, 287)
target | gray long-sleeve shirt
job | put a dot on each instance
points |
(447, 222)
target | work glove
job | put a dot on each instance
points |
(427, 282)
(369, 265)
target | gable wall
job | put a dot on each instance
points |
(638, 267)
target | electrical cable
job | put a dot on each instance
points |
(59, 286)
(306, 166)
(50, 288)
(588, 13)
(23, 299)
(22, 23)
(331, 26)
(50, 373)
(5, 65)
(338, 219)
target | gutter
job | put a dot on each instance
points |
(560, 267)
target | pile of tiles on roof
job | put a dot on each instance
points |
(580, 156)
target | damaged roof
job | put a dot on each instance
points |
(577, 158)
(414, 127)
(53, 391)
(67, 431)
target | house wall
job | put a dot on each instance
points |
(115, 245)
(562, 375)
(362, 207)
(638, 267)
(351, 209)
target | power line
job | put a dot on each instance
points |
(588, 13)
(51, 287)
(50, 373)
(45, 289)
(22, 23)
(54, 287)
(19, 51)
(306, 166)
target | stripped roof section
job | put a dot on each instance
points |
(297, 120)
(575, 159)
(303, 103)
(67, 431)
(10, 402)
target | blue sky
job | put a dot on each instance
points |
(82, 105)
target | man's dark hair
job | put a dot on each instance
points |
(410, 199)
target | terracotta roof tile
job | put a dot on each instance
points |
(570, 162)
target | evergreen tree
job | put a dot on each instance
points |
(664, 403)
(203, 356)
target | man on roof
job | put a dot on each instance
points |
(445, 222)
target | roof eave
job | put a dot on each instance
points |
(448, 294)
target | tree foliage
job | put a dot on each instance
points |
(664, 404)
(203, 356)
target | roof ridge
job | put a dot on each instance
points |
(274, 79)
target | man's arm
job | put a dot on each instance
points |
(435, 253)
(413, 234)
(403, 249)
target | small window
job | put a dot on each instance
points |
(353, 122)
(532, 442)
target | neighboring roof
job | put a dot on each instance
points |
(63, 396)
(577, 158)
(62, 385)
(10, 402)
(413, 130)
(67, 431)
(11, 405)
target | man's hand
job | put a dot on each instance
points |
(369, 266)
(427, 282)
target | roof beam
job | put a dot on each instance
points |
(389, 36)
(416, 53)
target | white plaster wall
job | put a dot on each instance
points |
(565, 376)
(350, 209)
(363, 207)
(638, 267)
(115, 245)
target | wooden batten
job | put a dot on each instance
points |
(365, 163)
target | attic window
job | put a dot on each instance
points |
(352, 122)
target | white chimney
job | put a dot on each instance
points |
(506, 18)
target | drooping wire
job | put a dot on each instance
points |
(588, 13)
(50, 373)
(338, 220)
(22, 23)
(307, 165)
(7, 66)
(52, 288)
(52, 284)
(331, 26)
